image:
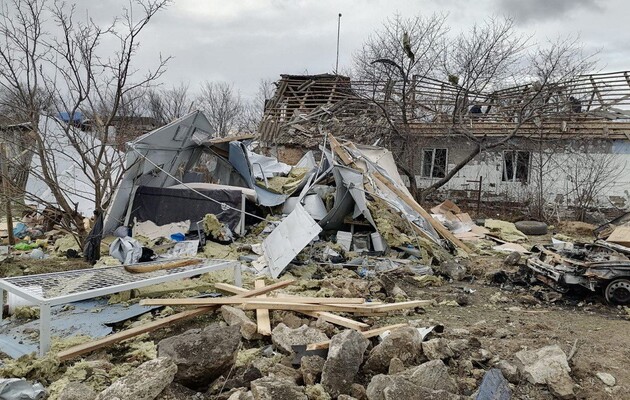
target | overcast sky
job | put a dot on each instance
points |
(243, 41)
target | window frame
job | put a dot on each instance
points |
(515, 166)
(433, 153)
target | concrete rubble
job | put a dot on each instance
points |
(144, 383)
(201, 355)
(284, 338)
(375, 297)
(345, 356)
(547, 366)
(404, 344)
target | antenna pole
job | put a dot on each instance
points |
(338, 31)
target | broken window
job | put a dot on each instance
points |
(516, 166)
(434, 163)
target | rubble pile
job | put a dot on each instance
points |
(334, 284)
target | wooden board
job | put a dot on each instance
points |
(235, 300)
(366, 334)
(226, 287)
(621, 235)
(76, 351)
(326, 316)
(399, 306)
(337, 320)
(336, 148)
(84, 348)
(445, 233)
(262, 316)
(254, 304)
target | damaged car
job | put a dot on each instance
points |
(599, 266)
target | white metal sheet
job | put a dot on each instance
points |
(289, 238)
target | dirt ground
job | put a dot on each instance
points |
(518, 320)
(507, 319)
(505, 316)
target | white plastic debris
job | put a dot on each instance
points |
(20, 389)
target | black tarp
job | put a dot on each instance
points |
(92, 252)
(166, 205)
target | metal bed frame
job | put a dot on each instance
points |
(47, 290)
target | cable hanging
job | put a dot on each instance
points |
(224, 206)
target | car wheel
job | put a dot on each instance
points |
(531, 227)
(618, 292)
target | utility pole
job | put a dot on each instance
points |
(338, 31)
(5, 189)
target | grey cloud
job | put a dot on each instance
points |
(246, 40)
(540, 10)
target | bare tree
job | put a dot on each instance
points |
(168, 104)
(254, 109)
(49, 52)
(589, 174)
(222, 105)
(392, 56)
(489, 64)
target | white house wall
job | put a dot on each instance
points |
(556, 182)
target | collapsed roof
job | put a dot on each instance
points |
(304, 106)
(164, 164)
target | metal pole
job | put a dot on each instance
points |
(338, 31)
(479, 196)
(5, 188)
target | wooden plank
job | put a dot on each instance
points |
(255, 304)
(337, 149)
(266, 289)
(76, 351)
(235, 300)
(226, 287)
(84, 348)
(366, 334)
(400, 306)
(337, 320)
(262, 316)
(326, 316)
(445, 233)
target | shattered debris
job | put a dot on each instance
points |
(342, 285)
(505, 230)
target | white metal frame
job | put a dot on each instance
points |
(45, 304)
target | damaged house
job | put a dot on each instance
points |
(563, 146)
(180, 172)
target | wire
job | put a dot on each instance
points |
(224, 206)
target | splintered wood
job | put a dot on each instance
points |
(85, 348)
(262, 316)
(316, 307)
(256, 299)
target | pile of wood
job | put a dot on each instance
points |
(256, 299)
(317, 307)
